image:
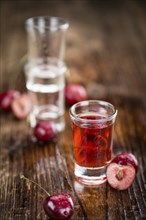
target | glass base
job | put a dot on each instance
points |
(46, 113)
(90, 176)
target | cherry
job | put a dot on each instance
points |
(45, 131)
(75, 93)
(59, 206)
(6, 99)
(120, 176)
(21, 106)
(126, 158)
(56, 206)
(122, 170)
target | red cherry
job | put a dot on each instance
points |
(120, 176)
(56, 206)
(45, 131)
(75, 93)
(21, 106)
(59, 206)
(126, 158)
(6, 99)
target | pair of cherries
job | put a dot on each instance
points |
(122, 171)
(16, 102)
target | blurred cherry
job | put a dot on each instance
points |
(21, 106)
(75, 93)
(45, 130)
(6, 99)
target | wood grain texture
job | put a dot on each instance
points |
(105, 51)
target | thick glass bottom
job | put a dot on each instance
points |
(47, 113)
(90, 176)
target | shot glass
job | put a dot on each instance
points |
(45, 69)
(93, 127)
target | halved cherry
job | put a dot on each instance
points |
(120, 177)
(21, 106)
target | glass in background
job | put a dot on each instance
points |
(45, 70)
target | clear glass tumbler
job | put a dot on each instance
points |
(45, 70)
(93, 127)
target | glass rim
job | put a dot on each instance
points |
(77, 117)
(61, 24)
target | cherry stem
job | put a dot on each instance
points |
(25, 178)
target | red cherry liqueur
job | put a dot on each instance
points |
(92, 143)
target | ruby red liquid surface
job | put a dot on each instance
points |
(92, 143)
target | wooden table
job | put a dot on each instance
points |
(105, 51)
